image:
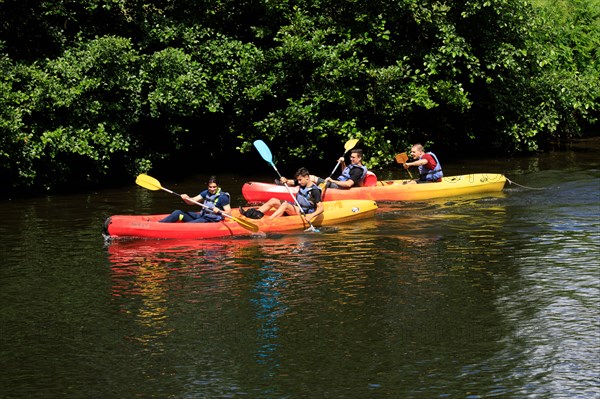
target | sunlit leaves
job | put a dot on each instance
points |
(120, 84)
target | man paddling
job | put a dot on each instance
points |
(430, 170)
(213, 197)
(352, 175)
(308, 197)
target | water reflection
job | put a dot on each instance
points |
(146, 279)
(213, 275)
(269, 309)
(152, 270)
(493, 296)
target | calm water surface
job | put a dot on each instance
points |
(468, 297)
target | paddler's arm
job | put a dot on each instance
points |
(190, 200)
(345, 183)
(341, 183)
(289, 182)
(226, 209)
(418, 162)
(319, 210)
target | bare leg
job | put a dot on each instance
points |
(272, 203)
(285, 207)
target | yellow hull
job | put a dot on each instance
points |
(390, 190)
(450, 186)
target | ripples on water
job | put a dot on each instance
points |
(487, 296)
(491, 296)
(555, 298)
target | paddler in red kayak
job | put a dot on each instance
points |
(213, 197)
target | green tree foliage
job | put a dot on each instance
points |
(68, 118)
(566, 45)
(95, 89)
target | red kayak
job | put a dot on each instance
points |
(147, 226)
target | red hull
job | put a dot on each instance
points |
(147, 226)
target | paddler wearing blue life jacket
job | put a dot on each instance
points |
(213, 197)
(352, 175)
(309, 198)
(430, 169)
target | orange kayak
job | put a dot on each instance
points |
(147, 226)
(388, 190)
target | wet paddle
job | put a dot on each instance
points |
(265, 153)
(152, 184)
(347, 147)
(401, 159)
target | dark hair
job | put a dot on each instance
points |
(357, 151)
(213, 179)
(302, 172)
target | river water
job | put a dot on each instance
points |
(468, 297)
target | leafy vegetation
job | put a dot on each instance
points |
(94, 90)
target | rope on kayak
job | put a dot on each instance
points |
(530, 188)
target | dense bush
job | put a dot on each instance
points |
(92, 89)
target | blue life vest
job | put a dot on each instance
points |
(305, 200)
(212, 201)
(433, 174)
(346, 172)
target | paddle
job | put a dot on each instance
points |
(402, 158)
(265, 153)
(348, 146)
(152, 184)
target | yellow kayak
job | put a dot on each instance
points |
(389, 190)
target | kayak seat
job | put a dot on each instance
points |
(370, 180)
